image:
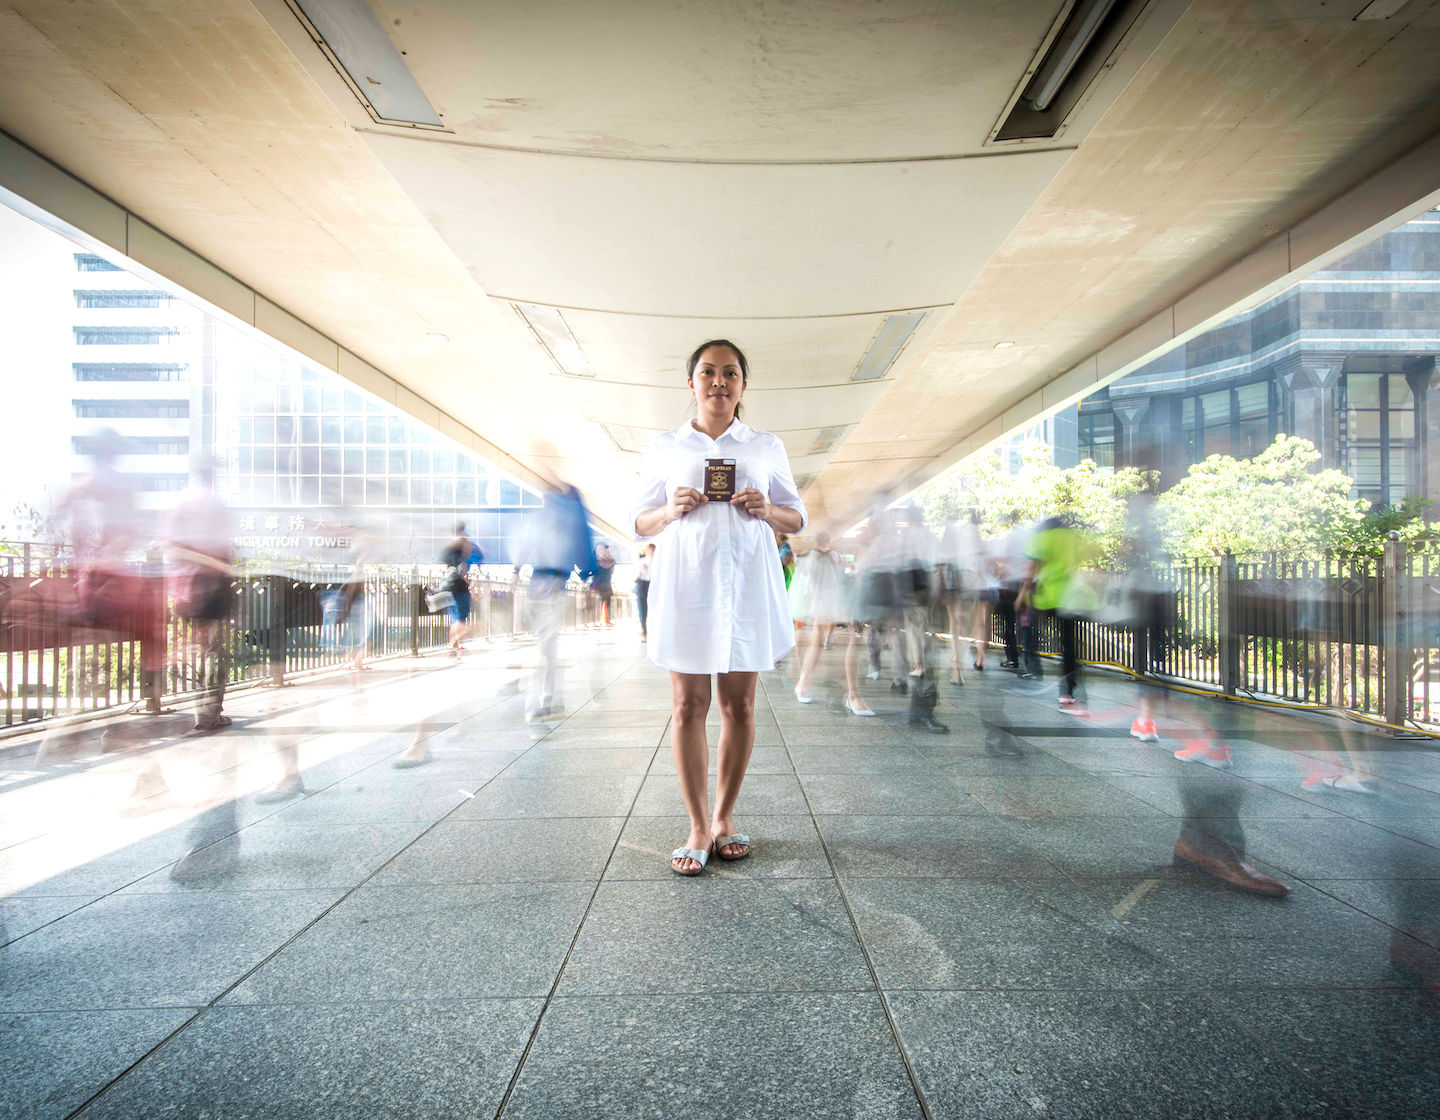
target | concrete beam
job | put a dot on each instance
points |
(52, 197)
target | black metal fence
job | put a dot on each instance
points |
(60, 657)
(1354, 633)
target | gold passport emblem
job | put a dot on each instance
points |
(719, 479)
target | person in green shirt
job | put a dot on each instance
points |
(1056, 550)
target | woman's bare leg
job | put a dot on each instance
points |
(952, 612)
(689, 704)
(852, 668)
(819, 634)
(980, 630)
(737, 739)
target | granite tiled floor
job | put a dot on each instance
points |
(985, 923)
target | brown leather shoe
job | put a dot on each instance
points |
(1231, 871)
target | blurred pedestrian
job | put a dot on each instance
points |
(556, 542)
(642, 590)
(1011, 563)
(919, 553)
(604, 584)
(816, 601)
(458, 556)
(201, 574)
(787, 557)
(970, 566)
(1056, 550)
(717, 586)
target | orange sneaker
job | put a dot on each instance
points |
(1144, 730)
(1206, 753)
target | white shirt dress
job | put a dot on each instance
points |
(717, 591)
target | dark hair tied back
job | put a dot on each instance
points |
(739, 354)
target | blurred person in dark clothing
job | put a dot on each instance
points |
(458, 556)
(642, 590)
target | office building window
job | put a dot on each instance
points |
(132, 410)
(103, 298)
(128, 371)
(137, 445)
(1241, 421)
(1378, 435)
(123, 336)
(89, 262)
(1097, 438)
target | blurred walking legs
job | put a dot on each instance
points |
(545, 613)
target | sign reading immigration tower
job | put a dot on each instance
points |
(719, 480)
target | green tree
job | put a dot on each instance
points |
(1276, 502)
(1408, 518)
(1095, 496)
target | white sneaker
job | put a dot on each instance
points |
(803, 697)
(873, 675)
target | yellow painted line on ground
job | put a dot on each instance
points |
(1128, 903)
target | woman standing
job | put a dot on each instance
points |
(717, 591)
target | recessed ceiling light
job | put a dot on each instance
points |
(902, 437)
(1003, 345)
(436, 336)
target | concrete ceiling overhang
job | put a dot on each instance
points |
(786, 174)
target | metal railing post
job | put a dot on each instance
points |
(1394, 656)
(275, 628)
(1229, 635)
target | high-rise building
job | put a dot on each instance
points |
(135, 365)
(308, 463)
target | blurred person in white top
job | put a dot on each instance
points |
(717, 591)
(817, 602)
(971, 565)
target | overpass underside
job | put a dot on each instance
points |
(518, 229)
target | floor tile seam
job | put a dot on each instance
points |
(769, 989)
(101, 1010)
(283, 1004)
(1200, 989)
(171, 1036)
(1393, 926)
(570, 949)
(910, 1070)
(268, 957)
(1388, 831)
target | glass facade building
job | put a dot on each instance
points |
(307, 462)
(1345, 358)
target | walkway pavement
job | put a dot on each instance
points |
(980, 924)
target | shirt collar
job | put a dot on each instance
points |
(741, 433)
